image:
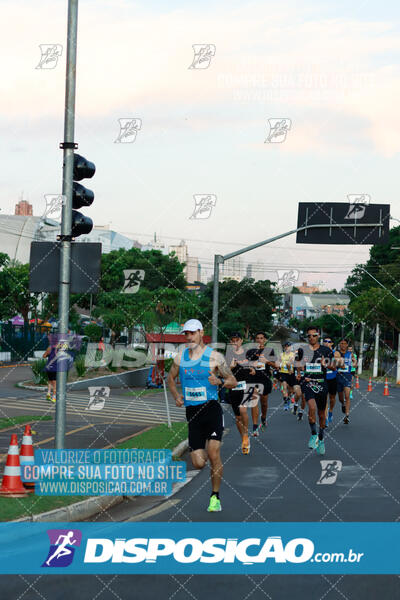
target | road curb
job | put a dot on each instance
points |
(89, 507)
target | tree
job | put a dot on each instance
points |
(377, 306)
(15, 297)
(375, 286)
(245, 305)
(160, 271)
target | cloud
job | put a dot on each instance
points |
(134, 62)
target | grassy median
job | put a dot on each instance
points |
(158, 437)
(12, 421)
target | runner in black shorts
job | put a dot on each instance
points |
(286, 374)
(236, 360)
(201, 370)
(315, 360)
(262, 359)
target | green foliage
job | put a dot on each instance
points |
(80, 366)
(39, 374)
(93, 331)
(160, 271)
(246, 306)
(377, 306)
(15, 297)
(375, 286)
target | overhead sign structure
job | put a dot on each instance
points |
(343, 223)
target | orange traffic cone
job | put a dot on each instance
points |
(26, 455)
(12, 485)
(275, 387)
(386, 388)
(369, 388)
(357, 383)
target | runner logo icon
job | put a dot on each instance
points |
(62, 547)
(330, 470)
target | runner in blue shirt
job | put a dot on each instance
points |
(344, 377)
(201, 370)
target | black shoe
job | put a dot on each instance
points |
(346, 420)
(300, 416)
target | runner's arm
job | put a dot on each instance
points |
(172, 375)
(225, 372)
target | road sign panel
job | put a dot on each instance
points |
(343, 223)
(44, 267)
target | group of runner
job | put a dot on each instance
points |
(308, 374)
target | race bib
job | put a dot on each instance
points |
(313, 368)
(240, 386)
(198, 394)
(260, 367)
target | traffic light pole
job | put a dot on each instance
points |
(219, 260)
(65, 244)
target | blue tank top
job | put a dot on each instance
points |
(194, 374)
(347, 363)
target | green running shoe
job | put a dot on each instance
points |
(313, 443)
(215, 504)
(321, 447)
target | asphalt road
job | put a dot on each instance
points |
(124, 413)
(278, 481)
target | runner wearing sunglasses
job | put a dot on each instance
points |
(315, 360)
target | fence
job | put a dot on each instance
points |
(19, 342)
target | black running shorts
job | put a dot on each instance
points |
(205, 422)
(235, 400)
(263, 380)
(316, 390)
(332, 386)
(289, 378)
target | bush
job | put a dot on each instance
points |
(80, 366)
(39, 374)
(94, 332)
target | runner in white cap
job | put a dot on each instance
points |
(201, 370)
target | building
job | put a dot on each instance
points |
(232, 269)
(315, 305)
(23, 209)
(17, 232)
(192, 269)
(309, 289)
(155, 244)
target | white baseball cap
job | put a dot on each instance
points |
(192, 325)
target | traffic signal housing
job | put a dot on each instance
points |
(81, 196)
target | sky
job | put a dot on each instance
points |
(329, 69)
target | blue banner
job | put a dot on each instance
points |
(193, 548)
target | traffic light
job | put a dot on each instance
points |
(81, 196)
